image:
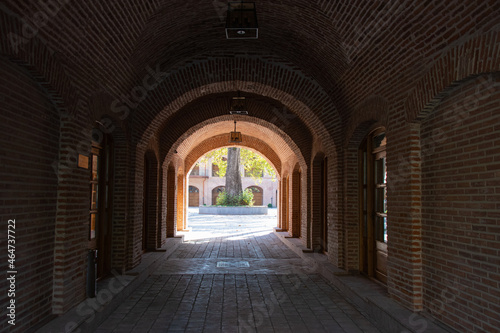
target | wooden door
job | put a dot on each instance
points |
(380, 216)
(258, 195)
(215, 193)
(101, 204)
(194, 196)
(373, 206)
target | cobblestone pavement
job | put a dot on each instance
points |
(232, 274)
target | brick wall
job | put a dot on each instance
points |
(29, 141)
(461, 206)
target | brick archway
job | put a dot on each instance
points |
(275, 149)
(222, 141)
(288, 108)
(294, 138)
(447, 71)
(47, 67)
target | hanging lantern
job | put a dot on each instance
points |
(241, 21)
(235, 137)
(238, 105)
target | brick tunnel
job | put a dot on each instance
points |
(381, 120)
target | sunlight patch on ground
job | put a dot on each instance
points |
(231, 227)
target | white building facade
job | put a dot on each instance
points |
(205, 184)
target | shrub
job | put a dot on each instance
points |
(246, 198)
(270, 205)
(243, 199)
(222, 199)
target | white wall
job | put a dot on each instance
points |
(206, 183)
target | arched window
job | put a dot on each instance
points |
(195, 171)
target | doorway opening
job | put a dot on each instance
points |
(373, 206)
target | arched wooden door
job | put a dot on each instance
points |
(215, 193)
(258, 195)
(194, 196)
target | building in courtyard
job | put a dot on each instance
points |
(205, 185)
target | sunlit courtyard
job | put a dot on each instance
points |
(204, 227)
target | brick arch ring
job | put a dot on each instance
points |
(450, 70)
(219, 141)
(297, 107)
(281, 148)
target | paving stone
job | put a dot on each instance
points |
(276, 293)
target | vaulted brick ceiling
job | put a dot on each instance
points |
(214, 134)
(208, 116)
(329, 55)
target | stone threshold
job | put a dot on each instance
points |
(368, 296)
(111, 293)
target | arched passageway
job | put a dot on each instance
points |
(106, 109)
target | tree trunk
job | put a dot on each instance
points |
(233, 176)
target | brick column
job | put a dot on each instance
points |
(180, 203)
(404, 218)
(171, 202)
(296, 206)
(72, 218)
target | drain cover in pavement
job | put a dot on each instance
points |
(233, 264)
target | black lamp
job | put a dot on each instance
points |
(238, 105)
(235, 137)
(241, 21)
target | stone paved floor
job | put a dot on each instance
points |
(232, 274)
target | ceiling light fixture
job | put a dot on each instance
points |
(241, 21)
(238, 105)
(235, 137)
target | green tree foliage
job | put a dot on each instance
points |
(254, 164)
(218, 158)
